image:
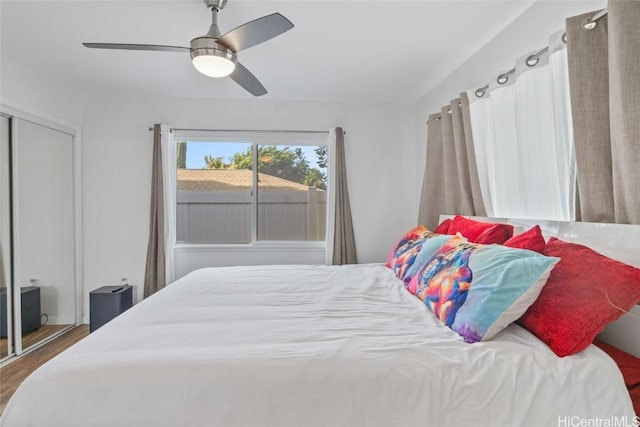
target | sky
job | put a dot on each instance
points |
(196, 150)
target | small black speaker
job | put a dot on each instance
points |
(107, 302)
(29, 305)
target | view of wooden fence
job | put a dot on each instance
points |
(225, 216)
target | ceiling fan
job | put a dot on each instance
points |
(216, 55)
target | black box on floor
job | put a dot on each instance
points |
(29, 305)
(107, 302)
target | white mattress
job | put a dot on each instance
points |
(307, 346)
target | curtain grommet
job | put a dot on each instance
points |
(481, 91)
(589, 24)
(532, 60)
(502, 79)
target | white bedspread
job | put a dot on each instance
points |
(308, 346)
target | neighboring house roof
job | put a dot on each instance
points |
(231, 180)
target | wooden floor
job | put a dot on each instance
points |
(32, 337)
(12, 374)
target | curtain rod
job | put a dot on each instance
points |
(252, 130)
(532, 60)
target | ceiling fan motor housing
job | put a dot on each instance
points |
(206, 45)
(215, 4)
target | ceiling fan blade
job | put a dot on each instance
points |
(255, 32)
(124, 46)
(247, 80)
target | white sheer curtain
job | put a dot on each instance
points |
(524, 139)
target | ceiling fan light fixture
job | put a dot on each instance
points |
(213, 65)
(212, 59)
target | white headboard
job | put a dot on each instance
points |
(617, 241)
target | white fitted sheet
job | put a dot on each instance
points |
(307, 346)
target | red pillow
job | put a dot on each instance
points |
(531, 239)
(443, 227)
(574, 306)
(499, 233)
(473, 230)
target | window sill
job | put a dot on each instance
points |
(256, 246)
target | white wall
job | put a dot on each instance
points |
(27, 91)
(117, 169)
(529, 32)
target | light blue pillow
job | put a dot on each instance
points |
(478, 290)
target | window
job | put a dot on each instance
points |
(239, 189)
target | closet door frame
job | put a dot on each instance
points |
(7, 257)
(74, 132)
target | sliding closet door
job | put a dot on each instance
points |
(6, 331)
(43, 231)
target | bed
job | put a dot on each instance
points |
(308, 346)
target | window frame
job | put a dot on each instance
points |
(256, 139)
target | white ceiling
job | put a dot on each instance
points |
(339, 50)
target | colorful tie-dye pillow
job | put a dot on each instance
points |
(405, 252)
(478, 290)
(429, 248)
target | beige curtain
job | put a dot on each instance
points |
(450, 184)
(344, 244)
(154, 276)
(604, 74)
